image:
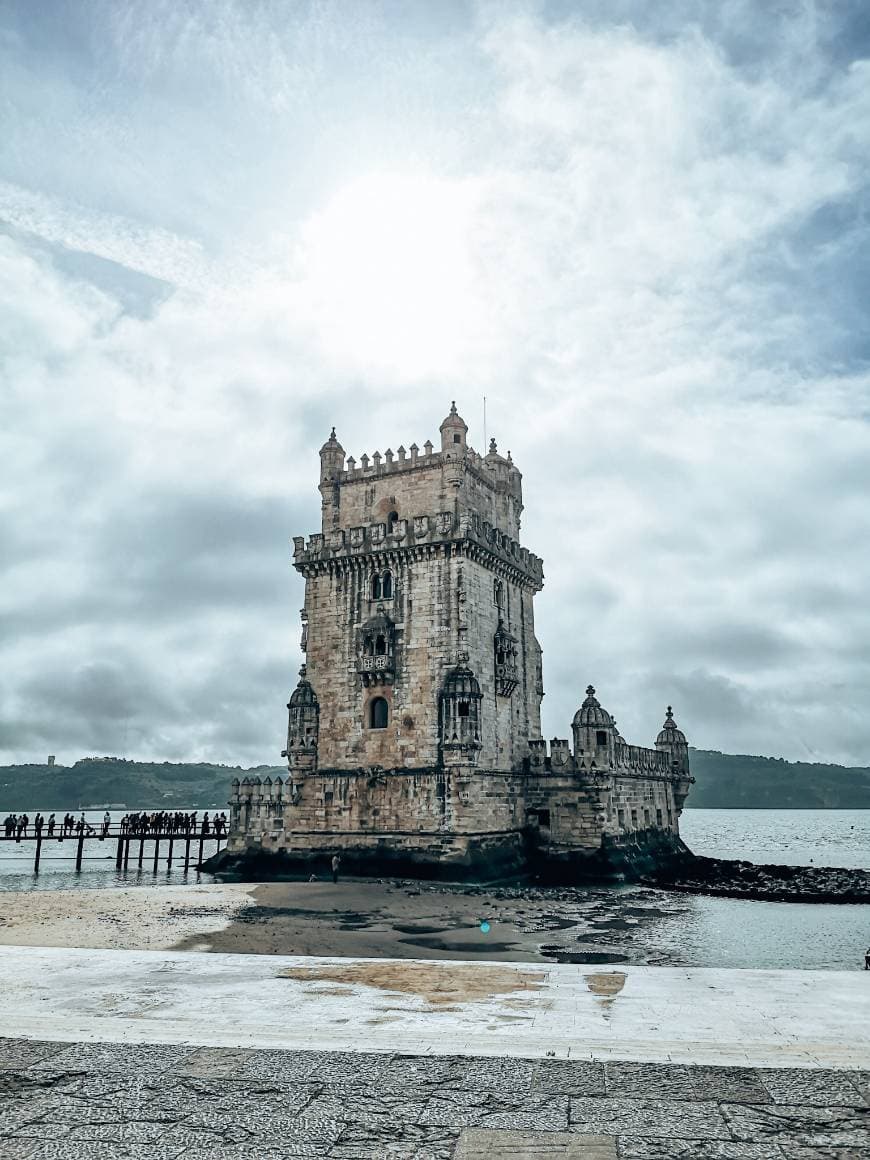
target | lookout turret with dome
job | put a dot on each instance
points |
(414, 733)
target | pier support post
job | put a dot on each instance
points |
(141, 851)
(186, 853)
(38, 848)
(156, 852)
(169, 859)
(120, 854)
(199, 859)
(126, 852)
(79, 848)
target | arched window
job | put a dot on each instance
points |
(387, 586)
(381, 646)
(497, 593)
(369, 648)
(376, 587)
(392, 520)
(379, 713)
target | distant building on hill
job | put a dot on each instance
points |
(51, 759)
(414, 738)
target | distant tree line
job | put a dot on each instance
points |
(723, 780)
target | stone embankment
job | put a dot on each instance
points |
(692, 874)
(656, 860)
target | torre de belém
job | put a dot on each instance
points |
(414, 741)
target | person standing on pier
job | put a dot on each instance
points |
(38, 823)
(51, 825)
(107, 821)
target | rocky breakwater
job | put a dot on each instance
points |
(732, 878)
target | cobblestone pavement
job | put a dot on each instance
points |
(118, 1102)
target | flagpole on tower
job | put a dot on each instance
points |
(484, 425)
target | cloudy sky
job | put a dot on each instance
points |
(641, 230)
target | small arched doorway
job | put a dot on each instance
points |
(379, 713)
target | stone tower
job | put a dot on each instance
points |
(414, 741)
(420, 644)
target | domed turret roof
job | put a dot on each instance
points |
(454, 419)
(590, 713)
(332, 444)
(670, 734)
(303, 694)
(462, 682)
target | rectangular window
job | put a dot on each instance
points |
(620, 817)
(634, 819)
(601, 737)
(659, 818)
(463, 708)
(646, 818)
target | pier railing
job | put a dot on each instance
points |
(123, 838)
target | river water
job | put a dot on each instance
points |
(628, 923)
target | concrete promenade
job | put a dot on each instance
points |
(112, 1054)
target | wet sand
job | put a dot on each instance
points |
(356, 918)
(419, 920)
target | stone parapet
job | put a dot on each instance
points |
(628, 761)
(484, 542)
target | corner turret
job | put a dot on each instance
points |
(331, 458)
(453, 430)
(303, 726)
(594, 732)
(672, 740)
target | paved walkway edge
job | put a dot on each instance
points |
(802, 1019)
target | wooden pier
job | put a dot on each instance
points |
(167, 844)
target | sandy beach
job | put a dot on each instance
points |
(151, 919)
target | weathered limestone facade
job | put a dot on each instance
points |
(414, 732)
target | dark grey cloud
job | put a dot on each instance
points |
(639, 230)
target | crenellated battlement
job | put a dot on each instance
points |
(621, 760)
(378, 465)
(432, 528)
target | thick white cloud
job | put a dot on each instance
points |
(642, 237)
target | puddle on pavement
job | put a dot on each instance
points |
(439, 984)
(605, 986)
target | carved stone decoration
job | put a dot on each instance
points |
(505, 655)
(461, 700)
(421, 526)
(376, 651)
(303, 726)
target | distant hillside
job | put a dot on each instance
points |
(722, 780)
(98, 781)
(725, 780)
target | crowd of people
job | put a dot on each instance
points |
(177, 822)
(17, 826)
(139, 825)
